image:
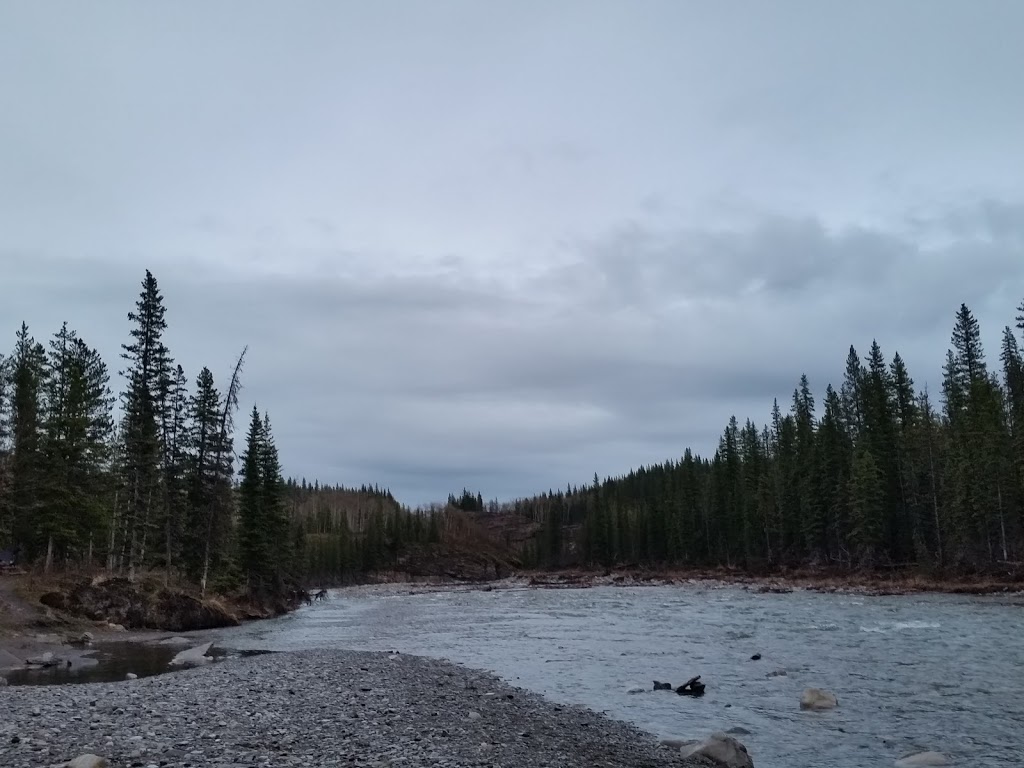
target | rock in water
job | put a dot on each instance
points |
(817, 699)
(88, 761)
(84, 639)
(46, 660)
(921, 759)
(756, 657)
(692, 687)
(662, 686)
(195, 655)
(722, 749)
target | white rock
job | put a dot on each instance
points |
(817, 699)
(131, 676)
(922, 759)
(195, 655)
(722, 749)
(475, 716)
(88, 761)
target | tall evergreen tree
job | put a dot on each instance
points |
(76, 429)
(27, 466)
(147, 373)
(255, 537)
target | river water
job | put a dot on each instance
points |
(910, 672)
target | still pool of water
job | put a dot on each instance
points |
(911, 672)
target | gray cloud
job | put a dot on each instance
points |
(431, 382)
(512, 247)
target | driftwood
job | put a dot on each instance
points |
(692, 687)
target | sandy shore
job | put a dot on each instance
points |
(316, 708)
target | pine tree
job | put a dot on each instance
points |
(144, 404)
(175, 485)
(253, 530)
(204, 474)
(833, 458)
(279, 546)
(27, 467)
(866, 499)
(970, 355)
(851, 394)
(76, 433)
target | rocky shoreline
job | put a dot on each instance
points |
(862, 584)
(317, 708)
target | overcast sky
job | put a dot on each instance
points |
(508, 244)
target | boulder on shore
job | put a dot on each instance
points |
(816, 699)
(46, 660)
(722, 749)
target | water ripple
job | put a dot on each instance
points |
(920, 672)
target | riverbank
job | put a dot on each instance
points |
(862, 583)
(317, 708)
(63, 621)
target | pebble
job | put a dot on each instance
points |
(318, 708)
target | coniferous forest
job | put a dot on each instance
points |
(151, 486)
(153, 479)
(875, 474)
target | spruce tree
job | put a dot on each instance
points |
(144, 401)
(970, 354)
(77, 429)
(279, 545)
(851, 394)
(254, 536)
(27, 466)
(204, 475)
(866, 510)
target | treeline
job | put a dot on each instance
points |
(348, 533)
(874, 475)
(149, 487)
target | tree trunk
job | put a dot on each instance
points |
(133, 524)
(145, 529)
(167, 572)
(1002, 521)
(935, 500)
(49, 554)
(113, 528)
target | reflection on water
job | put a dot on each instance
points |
(110, 662)
(914, 672)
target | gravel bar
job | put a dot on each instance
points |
(316, 708)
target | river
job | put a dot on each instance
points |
(910, 672)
